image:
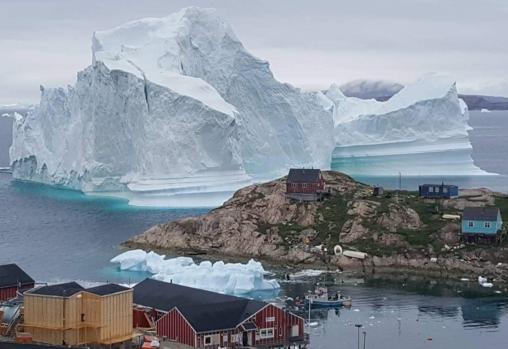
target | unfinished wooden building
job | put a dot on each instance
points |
(69, 314)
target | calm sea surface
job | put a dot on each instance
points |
(59, 235)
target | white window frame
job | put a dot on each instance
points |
(225, 338)
(270, 319)
(445, 190)
(267, 333)
(486, 224)
(431, 189)
(210, 338)
(470, 224)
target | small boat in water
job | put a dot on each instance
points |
(322, 298)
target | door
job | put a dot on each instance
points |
(245, 339)
(295, 331)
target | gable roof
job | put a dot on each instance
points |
(303, 175)
(106, 289)
(220, 316)
(165, 296)
(61, 290)
(480, 213)
(11, 275)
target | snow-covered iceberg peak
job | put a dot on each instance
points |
(428, 109)
(421, 130)
(160, 49)
(171, 106)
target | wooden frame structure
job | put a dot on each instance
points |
(80, 317)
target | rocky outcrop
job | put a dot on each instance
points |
(396, 231)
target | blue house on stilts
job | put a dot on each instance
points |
(481, 224)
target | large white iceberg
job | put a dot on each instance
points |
(174, 111)
(406, 133)
(171, 106)
(230, 278)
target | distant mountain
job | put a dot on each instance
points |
(371, 89)
(477, 102)
(384, 90)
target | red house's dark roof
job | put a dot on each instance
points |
(11, 276)
(165, 296)
(205, 311)
(220, 316)
(303, 175)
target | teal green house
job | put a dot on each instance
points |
(483, 221)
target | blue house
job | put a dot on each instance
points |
(438, 191)
(481, 222)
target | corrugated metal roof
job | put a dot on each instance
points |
(303, 175)
(480, 213)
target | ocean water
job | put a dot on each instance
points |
(61, 235)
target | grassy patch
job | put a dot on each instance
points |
(334, 214)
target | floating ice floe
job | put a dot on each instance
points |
(484, 282)
(306, 273)
(230, 278)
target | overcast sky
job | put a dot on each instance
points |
(308, 43)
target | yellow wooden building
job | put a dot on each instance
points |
(69, 314)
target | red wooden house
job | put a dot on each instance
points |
(203, 319)
(13, 280)
(304, 184)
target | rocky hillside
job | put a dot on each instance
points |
(397, 230)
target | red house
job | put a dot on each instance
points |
(203, 319)
(13, 280)
(304, 184)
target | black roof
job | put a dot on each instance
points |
(480, 213)
(11, 275)
(303, 175)
(165, 296)
(62, 290)
(106, 289)
(220, 316)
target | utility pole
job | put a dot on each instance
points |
(364, 338)
(358, 326)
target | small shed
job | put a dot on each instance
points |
(438, 191)
(377, 191)
(305, 184)
(13, 280)
(68, 314)
(481, 223)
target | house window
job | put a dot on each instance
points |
(270, 319)
(225, 339)
(265, 333)
(470, 224)
(487, 224)
(208, 340)
(445, 190)
(431, 189)
(436, 189)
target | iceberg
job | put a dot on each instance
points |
(170, 107)
(175, 112)
(229, 278)
(406, 132)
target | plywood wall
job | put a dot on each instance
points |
(88, 318)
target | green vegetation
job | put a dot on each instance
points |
(332, 215)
